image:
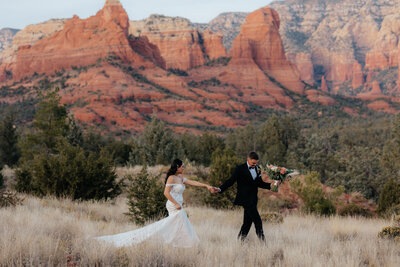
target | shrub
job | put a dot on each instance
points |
(223, 164)
(390, 232)
(312, 194)
(9, 199)
(354, 210)
(23, 180)
(271, 217)
(146, 198)
(178, 72)
(71, 172)
(324, 207)
(391, 212)
(389, 196)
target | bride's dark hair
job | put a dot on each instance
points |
(174, 168)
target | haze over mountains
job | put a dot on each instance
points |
(215, 74)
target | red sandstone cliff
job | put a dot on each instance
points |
(79, 43)
(180, 44)
(259, 43)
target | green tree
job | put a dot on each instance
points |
(157, 145)
(390, 160)
(390, 196)
(146, 198)
(243, 140)
(73, 173)
(223, 164)
(53, 164)
(9, 151)
(209, 143)
(50, 126)
(275, 138)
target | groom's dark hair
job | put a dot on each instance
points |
(253, 155)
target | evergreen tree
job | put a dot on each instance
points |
(146, 198)
(223, 164)
(50, 126)
(390, 160)
(157, 144)
(209, 143)
(9, 151)
(243, 140)
(275, 138)
(53, 163)
(390, 196)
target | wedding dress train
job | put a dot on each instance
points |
(175, 229)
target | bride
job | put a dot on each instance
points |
(176, 228)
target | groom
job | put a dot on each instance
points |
(248, 178)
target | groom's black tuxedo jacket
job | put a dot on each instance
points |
(247, 187)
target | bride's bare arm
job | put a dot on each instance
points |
(195, 183)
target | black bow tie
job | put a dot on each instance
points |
(251, 168)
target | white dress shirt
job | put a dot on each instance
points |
(252, 171)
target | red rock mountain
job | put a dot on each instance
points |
(116, 74)
(350, 44)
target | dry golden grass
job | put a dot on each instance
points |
(50, 232)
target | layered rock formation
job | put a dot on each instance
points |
(29, 35)
(117, 72)
(6, 38)
(79, 43)
(346, 39)
(181, 45)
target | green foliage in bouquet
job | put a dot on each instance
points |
(223, 164)
(312, 194)
(146, 198)
(390, 196)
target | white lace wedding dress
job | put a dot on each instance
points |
(175, 229)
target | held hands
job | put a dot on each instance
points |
(177, 206)
(213, 189)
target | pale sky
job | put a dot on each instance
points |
(20, 13)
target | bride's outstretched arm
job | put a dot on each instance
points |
(195, 183)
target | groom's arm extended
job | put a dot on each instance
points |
(228, 183)
(262, 184)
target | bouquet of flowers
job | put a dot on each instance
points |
(280, 174)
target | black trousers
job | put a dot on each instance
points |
(251, 215)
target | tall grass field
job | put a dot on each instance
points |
(59, 232)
